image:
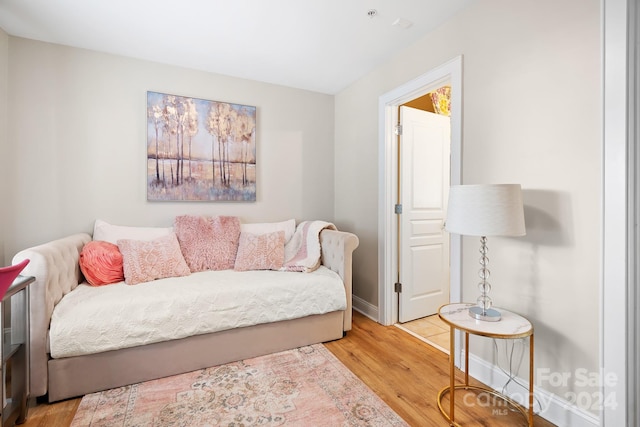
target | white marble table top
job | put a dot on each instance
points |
(511, 325)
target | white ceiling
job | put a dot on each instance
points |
(318, 45)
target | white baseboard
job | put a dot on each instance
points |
(548, 405)
(364, 307)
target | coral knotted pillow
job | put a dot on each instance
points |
(101, 263)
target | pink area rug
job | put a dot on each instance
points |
(304, 387)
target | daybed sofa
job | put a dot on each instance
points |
(60, 290)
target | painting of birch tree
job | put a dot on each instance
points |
(199, 150)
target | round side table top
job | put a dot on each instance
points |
(511, 325)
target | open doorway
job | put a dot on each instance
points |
(448, 74)
(423, 141)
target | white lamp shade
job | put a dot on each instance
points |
(485, 210)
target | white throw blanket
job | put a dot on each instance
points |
(302, 252)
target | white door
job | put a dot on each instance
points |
(424, 187)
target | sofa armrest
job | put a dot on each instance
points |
(57, 272)
(337, 251)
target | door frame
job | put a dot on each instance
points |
(619, 295)
(449, 72)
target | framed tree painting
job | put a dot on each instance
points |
(199, 150)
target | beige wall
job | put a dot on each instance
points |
(4, 158)
(77, 126)
(531, 115)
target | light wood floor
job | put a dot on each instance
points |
(407, 374)
(403, 370)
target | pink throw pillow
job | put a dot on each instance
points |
(260, 251)
(208, 243)
(145, 261)
(101, 263)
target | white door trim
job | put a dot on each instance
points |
(619, 295)
(450, 72)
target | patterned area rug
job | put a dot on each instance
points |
(304, 387)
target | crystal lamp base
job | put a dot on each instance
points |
(489, 315)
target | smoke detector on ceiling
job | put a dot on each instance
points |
(372, 13)
(402, 23)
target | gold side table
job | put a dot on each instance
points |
(511, 326)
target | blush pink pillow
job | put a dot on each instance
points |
(260, 251)
(101, 263)
(208, 243)
(144, 261)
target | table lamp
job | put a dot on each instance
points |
(9, 274)
(485, 210)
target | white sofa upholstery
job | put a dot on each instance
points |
(56, 270)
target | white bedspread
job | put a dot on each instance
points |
(96, 319)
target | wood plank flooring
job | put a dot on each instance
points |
(407, 374)
(403, 370)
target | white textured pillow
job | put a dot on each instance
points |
(112, 233)
(289, 227)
